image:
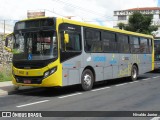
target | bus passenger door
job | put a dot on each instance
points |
(70, 56)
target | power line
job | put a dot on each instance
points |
(82, 17)
(83, 9)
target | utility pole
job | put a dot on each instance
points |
(4, 27)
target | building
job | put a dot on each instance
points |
(123, 15)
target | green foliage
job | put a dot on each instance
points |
(140, 23)
(121, 25)
(5, 73)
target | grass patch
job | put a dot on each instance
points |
(5, 73)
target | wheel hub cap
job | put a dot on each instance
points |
(87, 80)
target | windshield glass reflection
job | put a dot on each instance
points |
(38, 45)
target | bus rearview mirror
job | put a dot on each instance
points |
(66, 38)
(6, 42)
(8, 39)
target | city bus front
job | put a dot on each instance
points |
(35, 54)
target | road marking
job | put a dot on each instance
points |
(32, 103)
(156, 77)
(146, 79)
(121, 84)
(156, 118)
(134, 82)
(70, 95)
(100, 89)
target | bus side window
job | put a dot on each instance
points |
(143, 45)
(109, 42)
(62, 41)
(150, 45)
(134, 44)
(123, 41)
(93, 40)
(74, 43)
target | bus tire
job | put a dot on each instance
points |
(134, 73)
(87, 80)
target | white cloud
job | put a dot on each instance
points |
(88, 10)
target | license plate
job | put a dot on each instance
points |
(27, 81)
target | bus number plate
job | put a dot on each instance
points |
(27, 81)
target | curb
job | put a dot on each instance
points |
(9, 90)
(3, 93)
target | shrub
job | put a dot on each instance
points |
(5, 73)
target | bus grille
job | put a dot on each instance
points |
(33, 80)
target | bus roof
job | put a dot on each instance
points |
(92, 26)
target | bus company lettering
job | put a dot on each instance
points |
(99, 59)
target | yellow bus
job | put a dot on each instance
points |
(54, 51)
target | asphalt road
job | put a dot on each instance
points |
(114, 95)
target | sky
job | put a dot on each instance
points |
(93, 11)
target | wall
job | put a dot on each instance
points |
(5, 57)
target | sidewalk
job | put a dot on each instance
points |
(7, 88)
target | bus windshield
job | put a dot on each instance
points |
(157, 49)
(38, 45)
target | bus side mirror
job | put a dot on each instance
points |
(6, 42)
(66, 38)
(8, 39)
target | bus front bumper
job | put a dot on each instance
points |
(53, 80)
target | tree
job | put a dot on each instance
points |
(121, 25)
(140, 23)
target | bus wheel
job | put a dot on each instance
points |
(134, 73)
(87, 80)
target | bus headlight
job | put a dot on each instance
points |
(53, 70)
(49, 72)
(46, 74)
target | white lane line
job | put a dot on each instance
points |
(134, 82)
(156, 77)
(32, 103)
(156, 118)
(100, 89)
(121, 84)
(70, 95)
(146, 79)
